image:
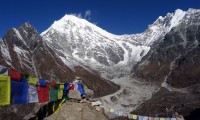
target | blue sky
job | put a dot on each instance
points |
(115, 16)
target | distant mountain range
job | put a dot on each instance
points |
(147, 73)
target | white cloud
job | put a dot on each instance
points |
(77, 15)
(85, 15)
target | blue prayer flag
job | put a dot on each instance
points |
(140, 118)
(81, 89)
(19, 92)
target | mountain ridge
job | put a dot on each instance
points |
(84, 42)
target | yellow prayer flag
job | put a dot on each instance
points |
(162, 118)
(130, 116)
(60, 94)
(53, 107)
(59, 106)
(62, 86)
(156, 118)
(134, 117)
(112, 110)
(32, 80)
(85, 86)
(4, 90)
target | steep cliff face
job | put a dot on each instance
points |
(173, 64)
(175, 56)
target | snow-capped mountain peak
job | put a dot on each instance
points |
(171, 19)
(78, 39)
(160, 27)
(176, 18)
(87, 44)
(71, 22)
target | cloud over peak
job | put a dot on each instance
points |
(86, 15)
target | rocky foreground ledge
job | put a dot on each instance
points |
(77, 111)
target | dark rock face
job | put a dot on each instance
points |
(95, 82)
(15, 112)
(30, 35)
(174, 57)
(174, 61)
(165, 103)
(113, 57)
(195, 115)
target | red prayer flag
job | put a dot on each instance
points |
(72, 86)
(53, 83)
(43, 93)
(15, 75)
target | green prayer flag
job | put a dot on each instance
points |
(53, 93)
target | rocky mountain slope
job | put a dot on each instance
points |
(24, 50)
(140, 70)
(173, 64)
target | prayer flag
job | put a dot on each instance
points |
(4, 90)
(140, 118)
(19, 91)
(173, 118)
(53, 93)
(60, 92)
(130, 116)
(42, 82)
(32, 94)
(151, 118)
(112, 110)
(43, 93)
(3, 70)
(145, 118)
(156, 118)
(134, 117)
(162, 118)
(14, 75)
(32, 80)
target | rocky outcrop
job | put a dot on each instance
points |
(15, 112)
(77, 111)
